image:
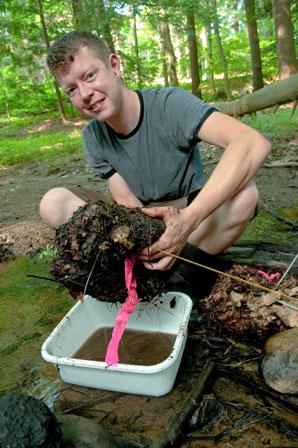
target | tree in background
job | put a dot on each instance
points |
(136, 45)
(167, 45)
(93, 15)
(209, 43)
(28, 85)
(47, 44)
(156, 40)
(216, 26)
(193, 52)
(80, 19)
(255, 53)
(235, 16)
(103, 22)
(287, 61)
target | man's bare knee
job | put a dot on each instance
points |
(245, 204)
(58, 205)
(227, 223)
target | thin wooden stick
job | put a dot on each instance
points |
(225, 274)
(41, 277)
(287, 270)
(90, 273)
(191, 402)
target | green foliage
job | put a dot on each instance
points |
(19, 143)
(267, 228)
(24, 81)
(27, 87)
(281, 124)
(42, 146)
(48, 253)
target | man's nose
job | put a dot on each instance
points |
(86, 92)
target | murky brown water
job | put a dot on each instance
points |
(136, 347)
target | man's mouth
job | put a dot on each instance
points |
(95, 107)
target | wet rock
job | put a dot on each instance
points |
(81, 432)
(26, 422)
(280, 362)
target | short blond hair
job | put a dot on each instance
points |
(63, 50)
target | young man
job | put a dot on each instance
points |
(145, 144)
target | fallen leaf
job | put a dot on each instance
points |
(270, 298)
(236, 298)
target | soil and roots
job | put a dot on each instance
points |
(248, 313)
(93, 244)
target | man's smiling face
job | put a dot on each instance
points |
(94, 87)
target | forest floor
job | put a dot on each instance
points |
(21, 189)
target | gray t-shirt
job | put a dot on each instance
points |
(159, 159)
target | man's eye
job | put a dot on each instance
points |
(71, 91)
(90, 76)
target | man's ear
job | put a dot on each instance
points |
(115, 64)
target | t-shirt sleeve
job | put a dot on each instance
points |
(185, 114)
(94, 153)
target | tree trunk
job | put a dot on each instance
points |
(104, 24)
(255, 53)
(165, 35)
(137, 55)
(285, 43)
(210, 58)
(220, 48)
(164, 67)
(210, 52)
(236, 16)
(5, 95)
(281, 92)
(79, 16)
(47, 43)
(193, 54)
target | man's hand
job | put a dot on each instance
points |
(171, 241)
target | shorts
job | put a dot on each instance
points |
(92, 196)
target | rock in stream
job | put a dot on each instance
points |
(280, 362)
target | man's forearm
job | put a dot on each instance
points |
(131, 201)
(122, 193)
(238, 165)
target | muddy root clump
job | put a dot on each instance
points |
(93, 244)
(248, 313)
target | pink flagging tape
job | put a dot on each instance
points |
(124, 313)
(269, 277)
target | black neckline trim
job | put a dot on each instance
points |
(135, 130)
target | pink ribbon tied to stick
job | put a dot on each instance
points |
(269, 277)
(124, 313)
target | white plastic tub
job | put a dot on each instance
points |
(167, 314)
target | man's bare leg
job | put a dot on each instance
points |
(58, 205)
(221, 229)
